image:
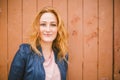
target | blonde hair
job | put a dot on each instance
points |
(59, 44)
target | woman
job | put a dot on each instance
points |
(45, 57)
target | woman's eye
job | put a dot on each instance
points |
(53, 25)
(42, 24)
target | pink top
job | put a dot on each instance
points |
(51, 69)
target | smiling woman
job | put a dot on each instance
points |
(45, 57)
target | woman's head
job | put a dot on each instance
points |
(49, 27)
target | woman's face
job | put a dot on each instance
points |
(48, 27)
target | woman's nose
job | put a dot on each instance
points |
(48, 27)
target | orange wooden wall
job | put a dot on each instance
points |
(94, 35)
(117, 40)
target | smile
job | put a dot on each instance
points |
(47, 35)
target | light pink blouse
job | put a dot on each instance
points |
(51, 69)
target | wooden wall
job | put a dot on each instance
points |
(117, 39)
(94, 36)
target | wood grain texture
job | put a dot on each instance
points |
(105, 39)
(75, 39)
(90, 32)
(29, 13)
(116, 39)
(3, 40)
(43, 3)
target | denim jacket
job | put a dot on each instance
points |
(27, 65)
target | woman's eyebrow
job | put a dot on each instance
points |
(53, 22)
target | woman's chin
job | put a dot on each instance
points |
(48, 41)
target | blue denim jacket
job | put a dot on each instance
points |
(27, 65)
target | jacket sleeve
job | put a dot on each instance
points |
(18, 64)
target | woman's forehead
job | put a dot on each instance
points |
(48, 16)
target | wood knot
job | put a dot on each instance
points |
(74, 33)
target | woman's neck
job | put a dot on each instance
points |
(46, 49)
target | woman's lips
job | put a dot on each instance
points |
(48, 35)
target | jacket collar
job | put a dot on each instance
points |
(55, 51)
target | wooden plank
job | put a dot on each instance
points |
(90, 22)
(116, 39)
(43, 3)
(61, 6)
(75, 39)
(14, 27)
(3, 39)
(105, 39)
(29, 13)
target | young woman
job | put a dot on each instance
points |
(45, 57)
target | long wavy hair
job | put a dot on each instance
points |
(61, 41)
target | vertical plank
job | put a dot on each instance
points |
(61, 6)
(75, 39)
(116, 39)
(90, 48)
(43, 3)
(29, 11)
(105, 39)
(14, 27)
(3, 39)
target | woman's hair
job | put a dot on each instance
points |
(60, 42)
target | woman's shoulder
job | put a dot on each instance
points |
(25, 48)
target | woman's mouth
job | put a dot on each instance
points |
(48, 35)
